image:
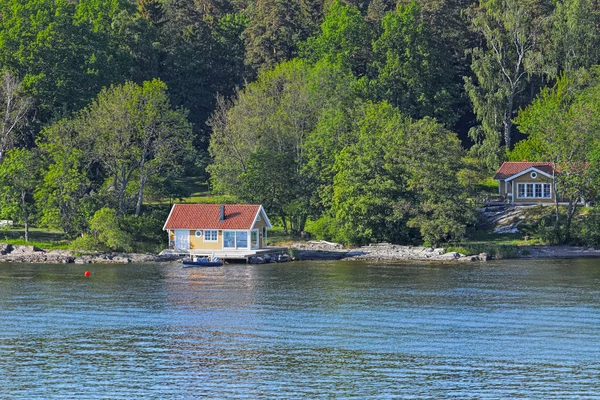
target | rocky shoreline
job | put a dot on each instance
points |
(390, 252)
(306, 251)
(322, 250)
(32, 254)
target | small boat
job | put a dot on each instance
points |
(202, 262)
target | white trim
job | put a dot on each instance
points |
(512, 198)
(266, 217)
(542, 197)
(169, 217)
(260, 208)
(528, 170)
(248, 246)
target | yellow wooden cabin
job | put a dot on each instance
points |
(202, 228)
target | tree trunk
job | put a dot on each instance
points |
(138, 207)
(570, 213)
(555, 202)
(283, 221)
(508, 122)
(122, 191)
(302, 223)
(25, 214)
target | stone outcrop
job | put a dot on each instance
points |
(392, 252)
(380, 251)
(503, 219)
(32, 254)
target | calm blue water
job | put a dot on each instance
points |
(513, 329)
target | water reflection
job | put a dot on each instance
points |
(339, 329)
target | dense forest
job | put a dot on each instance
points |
(355, 120)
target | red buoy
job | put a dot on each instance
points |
(87, 273)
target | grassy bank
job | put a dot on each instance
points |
(42, 238)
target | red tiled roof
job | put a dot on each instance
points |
(206, 216)
(509, 169)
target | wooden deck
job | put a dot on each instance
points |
(237, 254)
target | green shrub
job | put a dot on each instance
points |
(494, 250)
(586, 230)
(324, 228)
(87, 243)
(547, 230)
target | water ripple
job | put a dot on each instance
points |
(524, 329)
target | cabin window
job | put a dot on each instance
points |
(534, 191)
(211, 236)
(547, 192)
(530, 190)
(229, 239)
(235, 239)
(241, 239)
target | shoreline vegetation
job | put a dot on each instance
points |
(364, 122)
(306, 251)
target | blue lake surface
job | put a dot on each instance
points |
(497, 330)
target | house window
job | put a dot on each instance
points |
(229, 239)
(211, 236)
(258, 217)
(235, 239)
(534, 191)
(241, 239)
(547, 192)
(533, 175)
(198, 233)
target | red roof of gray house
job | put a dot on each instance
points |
(206, 216)
(510, 168)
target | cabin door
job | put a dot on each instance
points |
(182, 239)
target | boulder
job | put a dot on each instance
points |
(5, 248)
(26, 249)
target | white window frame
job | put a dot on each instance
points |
(524, 186)
(208, 238)
(235, 239)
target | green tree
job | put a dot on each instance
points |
(409, 71)
(64, 197)
(15, 107)
(62, 50)
(398, 182)
(344, 40)
(19, 178)
(275, 29)
(274, 116)
(562, 126)
(514, 35)
(106, 228)
(201, 55)
(135, 134)
(574, 40)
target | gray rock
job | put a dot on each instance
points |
(5, 248)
